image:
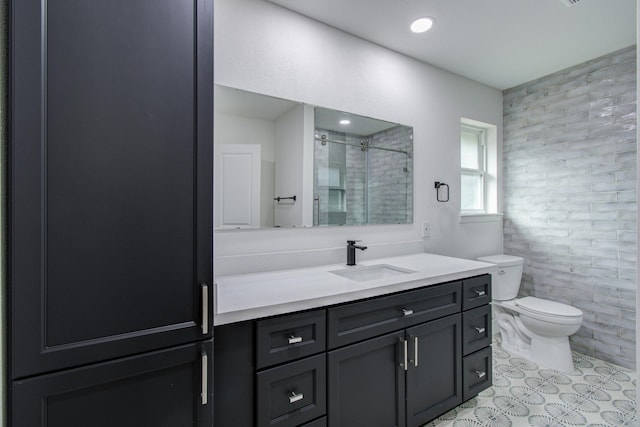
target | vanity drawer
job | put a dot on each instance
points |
(476, 373)
(354, 322)
(476, 291)
(476, 329)
(292, 394)
(285, 338)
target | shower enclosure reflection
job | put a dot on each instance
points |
(362, 170)
(282, 163)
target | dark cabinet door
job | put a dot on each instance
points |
(111, 174)
(434, 376)
(367, 383)
(160, 389)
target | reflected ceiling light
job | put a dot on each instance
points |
(421, 25)
(345, 121)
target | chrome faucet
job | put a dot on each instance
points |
(351, 251)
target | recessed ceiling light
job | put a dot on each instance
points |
(345, 121)
(421, 25)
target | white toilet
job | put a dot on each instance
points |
(534, 328)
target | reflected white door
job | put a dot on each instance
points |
(237, 185)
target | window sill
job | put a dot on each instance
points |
(483, 217)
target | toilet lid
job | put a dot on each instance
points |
(544, 306)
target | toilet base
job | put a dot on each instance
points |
(552, 353)
(546, 352)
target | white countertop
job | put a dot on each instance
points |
(251, 296)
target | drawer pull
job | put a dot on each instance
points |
(294, 340)
(407, 312)
(295, 397)
(480, 293)
(480, 330)
(502, 272)
(481, 374)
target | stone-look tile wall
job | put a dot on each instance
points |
(390, 196)
(570, 196)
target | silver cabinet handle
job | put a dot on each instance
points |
(294, 340)
(501, 272)
(204, 396)
(415, 351)
(480, 330)
(407, 312)
(295, 397)
(481, 374)
(406, 356)
(480, 293)
(205, 309)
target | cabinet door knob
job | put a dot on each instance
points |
(407, 312)
(481, 374)
(480, 293)
(295, 397)
(294, 339)
(480, 330)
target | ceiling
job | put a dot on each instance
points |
(501, 43)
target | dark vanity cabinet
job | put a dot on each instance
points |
(396, 360)
(426, 352)
(109, 213)
(476, 336)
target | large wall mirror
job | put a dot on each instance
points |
(281, 163)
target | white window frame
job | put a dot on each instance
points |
(481, 134)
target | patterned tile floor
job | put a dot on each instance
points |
(596, 394)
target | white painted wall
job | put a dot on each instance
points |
(289, 162)
(263, 48)
(232, 129)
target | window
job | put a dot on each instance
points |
(473, 162)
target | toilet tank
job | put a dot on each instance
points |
(505, 283)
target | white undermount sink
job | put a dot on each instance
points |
(371, 272)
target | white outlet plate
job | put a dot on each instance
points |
(426, 229)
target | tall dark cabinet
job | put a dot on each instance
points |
(110, 213)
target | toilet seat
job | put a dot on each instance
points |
(548, 310)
